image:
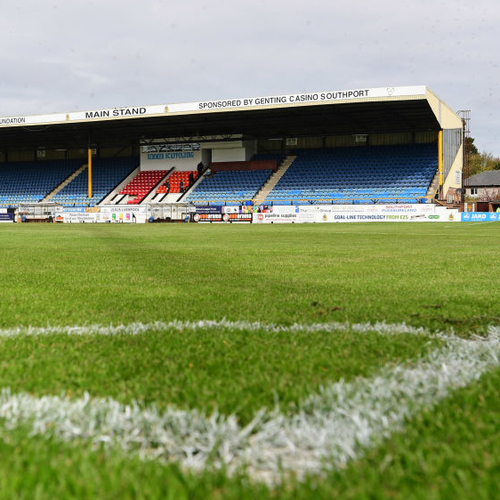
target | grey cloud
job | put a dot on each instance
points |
(86, 54)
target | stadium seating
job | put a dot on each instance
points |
(278, 157)
(173, 183)
(378, 174)
(106, 175)
(30, 182)
(142, 184)
(373, 174)
(228, 187)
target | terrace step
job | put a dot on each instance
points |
(433, 187)
(64, 183)
(273, 180)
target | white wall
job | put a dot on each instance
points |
(182, 160)
(215, 151)
(485, 193)
(236, 154)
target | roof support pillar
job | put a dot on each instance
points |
(440, 163)
(90, 171)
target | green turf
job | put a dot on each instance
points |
(435, 275)
(452, 451)
(441, 276)
(232, 372)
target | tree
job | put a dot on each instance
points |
(479, 162)
(482, 162)
(470, 147)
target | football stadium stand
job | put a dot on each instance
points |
(393, 145)
(231, 183)
(380, 174)
(106, 175)
(142, 184)
(389, 174)
(229, 187)
(31, 181)
(178, 181)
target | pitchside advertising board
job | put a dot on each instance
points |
(223, 214)
(6, 217)
(480, 216)
(282, 214)
(106, 214)
(356, 213)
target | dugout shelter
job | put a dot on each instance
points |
(143, 147)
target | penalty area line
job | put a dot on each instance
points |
(159, 326)
(330, 428)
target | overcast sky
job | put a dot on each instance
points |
(90, 54)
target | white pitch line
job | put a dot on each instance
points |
(331, 428)
(159, 326)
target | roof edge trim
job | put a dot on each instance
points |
(219, 105)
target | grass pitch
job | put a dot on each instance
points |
(438, 276)
(432, 275)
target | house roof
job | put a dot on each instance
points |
(483, 179)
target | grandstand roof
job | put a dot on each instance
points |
(358, 111)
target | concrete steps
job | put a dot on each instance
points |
(65, 182)
(433, 188)
(273, 180)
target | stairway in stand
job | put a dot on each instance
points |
(273, 180)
